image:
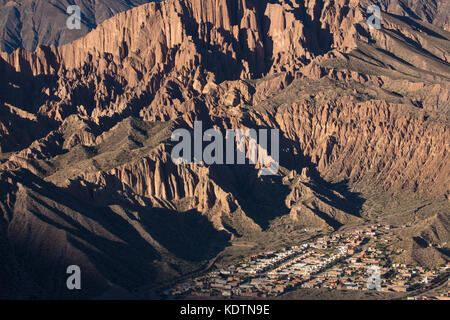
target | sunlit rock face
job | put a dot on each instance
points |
(30, 23)
(85, 132)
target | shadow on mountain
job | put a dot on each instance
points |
(106, 244)
(23, 91)
(112, 244)
(187, 235)
(292, 158)
(261, 198)
(352, 202)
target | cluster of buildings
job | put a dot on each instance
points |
(356, 260)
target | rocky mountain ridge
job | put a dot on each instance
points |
(359, 110)
(30, 23)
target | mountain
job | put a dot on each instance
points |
(434, 12)
(86, 170)
(29, 23)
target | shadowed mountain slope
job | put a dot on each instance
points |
(363, 116)
(29, 23)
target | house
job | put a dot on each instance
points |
(226, 293)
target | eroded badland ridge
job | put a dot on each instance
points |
(30, 23)
(86, 174)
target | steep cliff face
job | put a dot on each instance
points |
(127, 248)
(363, 116)
(30, 23)
(397, 146)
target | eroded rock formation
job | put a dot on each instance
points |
(362, 113)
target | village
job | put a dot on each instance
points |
(356, 260)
